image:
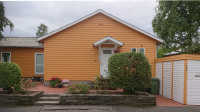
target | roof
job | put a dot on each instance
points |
(173, 52)
(20, 42)
(108, 39)
(105, 13)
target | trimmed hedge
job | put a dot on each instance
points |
(129, 71)
(10, 76)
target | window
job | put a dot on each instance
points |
(107, 51)
(134, 50)
(6, 57)
(39, 63)
(142, 50)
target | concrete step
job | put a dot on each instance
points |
(52, 98)
(47, 103)
(50, 94)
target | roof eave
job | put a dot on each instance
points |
(69, 25)
(108, 38)
(25, 46)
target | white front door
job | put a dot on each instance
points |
(105, 55)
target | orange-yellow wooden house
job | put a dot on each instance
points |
(80, 50)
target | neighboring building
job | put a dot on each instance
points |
(81, 49)
(173, 53)
(26, 52)
(179, 77)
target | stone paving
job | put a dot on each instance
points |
(117, 109)
(89, 108)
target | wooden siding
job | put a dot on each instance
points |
(70, 54)
(25, 58)
(179, 57)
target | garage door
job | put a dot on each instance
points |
(178, 80)
(167, 79)
(193, 82)
(159, 75)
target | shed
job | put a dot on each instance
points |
(179, 77)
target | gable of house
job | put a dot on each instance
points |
(106, 14)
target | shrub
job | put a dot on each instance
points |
(78, 89)
(102, 84)
(129, 71)
(10, 76)
(55, 81)
(26, 85)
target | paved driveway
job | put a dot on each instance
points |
(162, 101)
(78, 108)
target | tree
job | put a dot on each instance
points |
(162, 51)
(42, 30)
(178, 24)
(4, 21)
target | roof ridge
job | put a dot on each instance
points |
(19, 37)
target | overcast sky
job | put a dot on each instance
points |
(26, 16)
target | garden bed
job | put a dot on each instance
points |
(20, 99)
(141, 99)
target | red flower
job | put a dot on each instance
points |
(56, 79)
(116, 51)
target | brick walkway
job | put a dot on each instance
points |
(48, 89)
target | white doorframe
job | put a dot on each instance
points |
(102, 72)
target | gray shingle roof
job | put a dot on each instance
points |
(20, 42)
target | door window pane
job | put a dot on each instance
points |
(39, 63)
(107, 51)
(6, 57)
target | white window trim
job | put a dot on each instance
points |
(2, 56)
(134, 48)
(38, 73)
(141, 48)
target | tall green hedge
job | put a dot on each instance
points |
(10, 76)
(129, 71)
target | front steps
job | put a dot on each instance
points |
(48, 99)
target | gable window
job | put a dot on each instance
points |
(134, 50)
(142, 50)
(39, 63)
(5, 57)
